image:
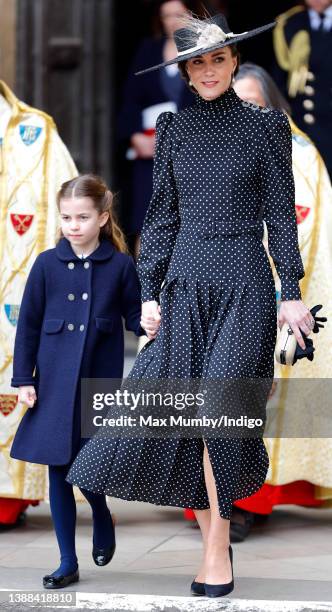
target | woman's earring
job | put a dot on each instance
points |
(190, 83)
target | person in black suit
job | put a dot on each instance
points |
(156, 92)
(303, 45)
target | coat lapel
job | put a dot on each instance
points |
(65, 252)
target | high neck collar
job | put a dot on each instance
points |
(223, 103)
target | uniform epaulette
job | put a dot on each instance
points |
(292, 57)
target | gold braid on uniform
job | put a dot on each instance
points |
(293, 58)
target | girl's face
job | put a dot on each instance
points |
(249, 89)
(81, 221)
(211, 73)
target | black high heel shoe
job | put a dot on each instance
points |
(197, 588)
(102, 556)
(219, 590)
(59, 582)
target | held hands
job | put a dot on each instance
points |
(27, 395)
(150, 318)
(298, 317)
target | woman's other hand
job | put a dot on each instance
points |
(144, 145)
(27, 395)
(151, 317)
(298, 317)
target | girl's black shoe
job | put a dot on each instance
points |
(219, 590)
(197, 588)
(102, 556)
(59, 582)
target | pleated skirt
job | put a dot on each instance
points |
(209, 330)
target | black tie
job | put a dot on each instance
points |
(322, 20)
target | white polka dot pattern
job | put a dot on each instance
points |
(221, 167)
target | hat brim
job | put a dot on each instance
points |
(220, 45)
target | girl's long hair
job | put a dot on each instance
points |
(94, 187)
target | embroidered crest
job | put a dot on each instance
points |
(21, 223)
(7, 403)
(12, 311)
(29, 133)
(301, 213)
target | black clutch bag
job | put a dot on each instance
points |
(288, 351)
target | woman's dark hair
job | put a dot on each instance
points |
(270, 92)
(94, 187)
(182, 66)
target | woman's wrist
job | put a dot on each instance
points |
(290, 290)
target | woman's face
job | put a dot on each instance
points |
(249, 89)
(171, 13)
(211, 73)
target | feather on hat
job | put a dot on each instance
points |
(199, 36)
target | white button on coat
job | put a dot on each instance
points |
(309, 118)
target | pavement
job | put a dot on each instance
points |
(284, 565)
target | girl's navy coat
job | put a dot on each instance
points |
(70, 326)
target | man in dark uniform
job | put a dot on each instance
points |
(303, 50)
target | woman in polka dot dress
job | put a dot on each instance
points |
(221, 167)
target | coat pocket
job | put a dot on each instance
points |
(104, 324)
(53, 326)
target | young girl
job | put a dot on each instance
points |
(70, 327)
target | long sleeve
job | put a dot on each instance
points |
(29, 327)
(162, 220)
(130, 299)
(278, 194)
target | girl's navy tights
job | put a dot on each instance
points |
(63, 509)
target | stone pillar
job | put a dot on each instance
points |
(8, 42)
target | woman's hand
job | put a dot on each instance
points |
(151, 317)
(298, 317)
(27, 395)
(144, 145)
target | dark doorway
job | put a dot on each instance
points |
(64, 67)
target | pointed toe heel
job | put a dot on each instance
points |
(220, 590)
(197, 588)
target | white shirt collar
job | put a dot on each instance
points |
(315, 19)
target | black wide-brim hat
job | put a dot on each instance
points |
(204, 35)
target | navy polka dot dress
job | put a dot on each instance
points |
(222, 167)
